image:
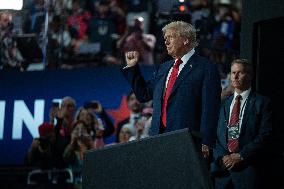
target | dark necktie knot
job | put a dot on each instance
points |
(238, 97)
(178, 63)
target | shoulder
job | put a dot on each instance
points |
(226, 100)
(204, 62)
(261, 100)
(165, 65)
(259, 97)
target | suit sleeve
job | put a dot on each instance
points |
(211, 98)
(261, 141)
(218, 153)
(142, 89)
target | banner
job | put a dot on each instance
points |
(26, 97)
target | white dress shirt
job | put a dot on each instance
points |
(184, 59)
(244, 95)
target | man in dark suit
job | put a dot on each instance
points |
(185, 91)
(243, 133)
(135, 108)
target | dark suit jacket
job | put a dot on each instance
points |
(194, 100)
(255, 134)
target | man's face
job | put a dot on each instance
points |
(68, 108)
(175, 44)
(240, 79)
(133, 104)
(5, 20)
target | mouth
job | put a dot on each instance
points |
(236, 82)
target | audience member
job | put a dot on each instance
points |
(139, 8)
(139, 130)
(125, 133)
(10, 56)
(43, 152)
(139, 41)
(102, 30)
(64, 126)
(135, 108)
(102, 119)
(81, 141)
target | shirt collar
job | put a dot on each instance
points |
(187, 56)
(134, 116)
(244, 94)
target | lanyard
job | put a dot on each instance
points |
(241, 113)
(242, 110)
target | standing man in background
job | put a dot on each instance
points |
(243, 135)
(185, 91)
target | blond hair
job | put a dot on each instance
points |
(183, 29)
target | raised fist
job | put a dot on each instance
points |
(131, 58)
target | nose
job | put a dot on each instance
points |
(236, 76)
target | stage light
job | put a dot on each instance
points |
(182, 8)
(181, 1)
(11, 4)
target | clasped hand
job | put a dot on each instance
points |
(230, 161)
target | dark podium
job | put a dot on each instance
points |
(170, 160)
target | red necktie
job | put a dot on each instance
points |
(233, 135)
(169, 88)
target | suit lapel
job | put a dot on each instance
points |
(189, 66)
(227, 109)
(165, 68)
(224, 123)
(248, 109)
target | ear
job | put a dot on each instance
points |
(185, 42)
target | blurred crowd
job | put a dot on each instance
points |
(71, 131)
(80, 33)
(88, 33)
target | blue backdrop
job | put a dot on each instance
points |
(24, 97)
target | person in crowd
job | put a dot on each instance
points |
(147, 114)
(78, 21)
(59, 43)
(139, 8)
(140, 41)
(65, 118)
(10, 56)
(81, 141)
(103, 30)
(139, 130)
(126, 132)
(227, 88)
(102, 119)
(243, 134)
(185, 91)
(135, 108)
(42, 152)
